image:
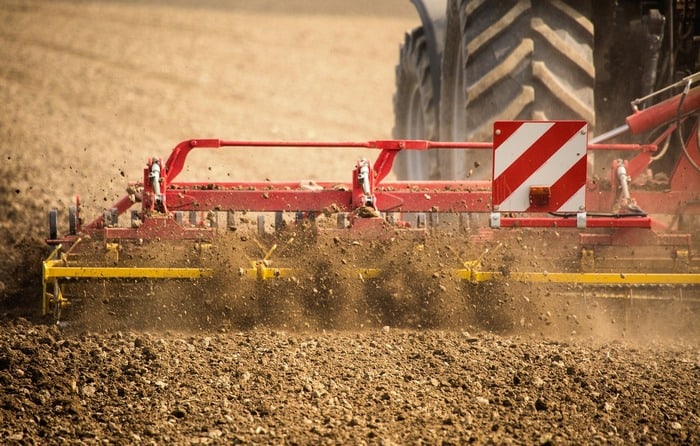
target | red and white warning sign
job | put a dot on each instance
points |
(539, 166)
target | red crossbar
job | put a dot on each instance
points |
(443, 196)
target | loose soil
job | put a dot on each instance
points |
(91, 89)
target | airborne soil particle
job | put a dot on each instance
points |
(90, 90)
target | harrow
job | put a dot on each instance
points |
(541, 219)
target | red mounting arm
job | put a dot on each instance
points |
(664, 112)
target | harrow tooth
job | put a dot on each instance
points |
(213, 219)
(341, 220)
(261, 225)
(73, 222)
(136, 219)
(279, 221)
(111, 218)
(53, 224)
(231, 223)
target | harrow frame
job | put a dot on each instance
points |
(368, 207)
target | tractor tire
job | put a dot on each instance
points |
(453, 165)
(415, 112)
(514, 60)
(53, 224)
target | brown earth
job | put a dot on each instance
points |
(90, 89)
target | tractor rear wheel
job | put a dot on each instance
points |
(415, 111)
(513, 59)
(453, 108)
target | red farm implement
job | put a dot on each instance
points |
(541, 218)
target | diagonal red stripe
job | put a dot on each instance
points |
(533, 157)
(566, 186)
(505, 130)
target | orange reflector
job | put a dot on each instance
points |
(539, 195)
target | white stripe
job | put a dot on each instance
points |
(517, 143)
(576, 203)
(518, 201)
(562, 160)
(547, 174)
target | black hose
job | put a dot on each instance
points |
(679, 123)
(597, 214)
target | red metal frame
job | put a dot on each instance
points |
(391, 196)
(157, 221)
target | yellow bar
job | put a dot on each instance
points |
(612, 278)
(265, 273)
(369, 273)
(44, 294)
(585, 278)
(262, 272)
(54, 269)
(100, 272)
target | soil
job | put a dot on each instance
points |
(91, 89)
